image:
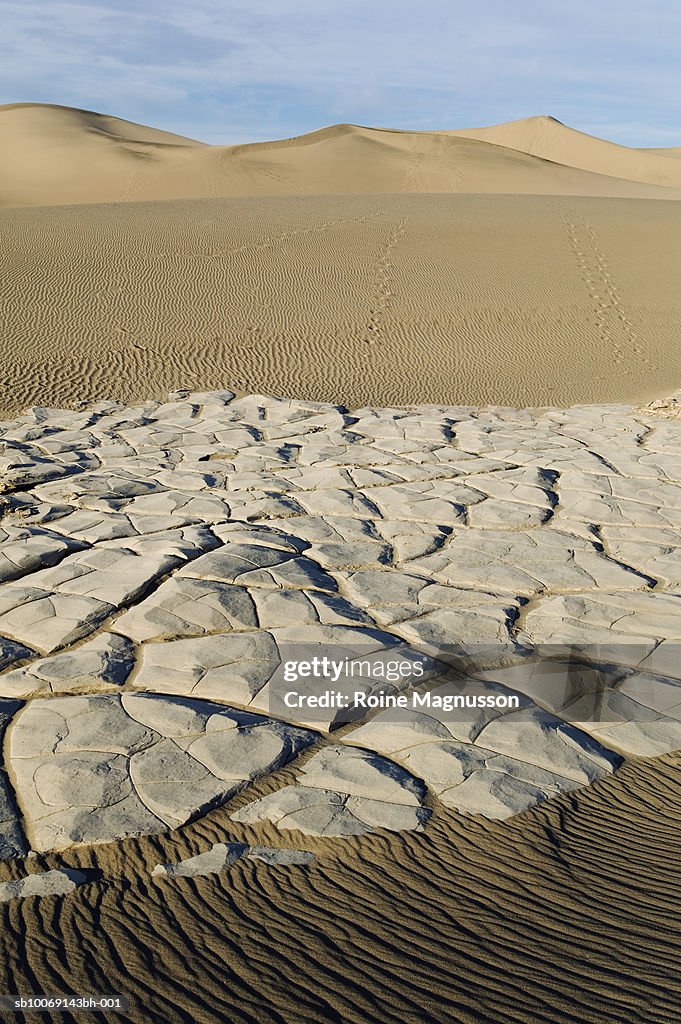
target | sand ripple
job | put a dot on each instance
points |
(566, 914)
(515, 300)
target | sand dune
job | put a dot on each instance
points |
(61, 155)
(672, 151)
(549, 139)
(57, 155)
(517, 300)
(350, 264)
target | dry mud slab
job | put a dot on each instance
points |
(158, 565)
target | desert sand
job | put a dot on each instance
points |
(564, 914)
(465, 472)
(549, 139)
(352, 264)
(57, 155)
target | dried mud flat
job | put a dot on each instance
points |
(213, 858)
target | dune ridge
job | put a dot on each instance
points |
(58, 155)
(549, 139)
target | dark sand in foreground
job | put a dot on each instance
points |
(565, 913)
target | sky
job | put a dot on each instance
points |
(229, 71)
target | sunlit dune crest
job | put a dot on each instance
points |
(55, 155)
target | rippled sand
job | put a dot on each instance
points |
(382, 299)
(566, 913)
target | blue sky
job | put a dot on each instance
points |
(229, 71)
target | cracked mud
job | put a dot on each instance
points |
(157, 561)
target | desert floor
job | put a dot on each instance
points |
(161, 562)
(471, 468)
(565, 914)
